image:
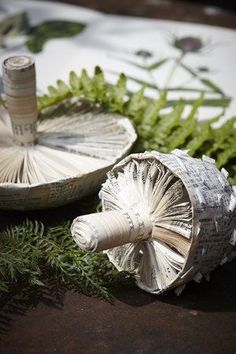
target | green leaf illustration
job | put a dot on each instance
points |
(150, 67)
(211, 85)
(14, 25)
(40, 34)
(223, 102)
(211, 102)
(188, 69)
(157, 64)
(204, 81)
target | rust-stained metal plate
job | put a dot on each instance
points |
(202, 320)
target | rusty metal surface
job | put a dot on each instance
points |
(201, 320)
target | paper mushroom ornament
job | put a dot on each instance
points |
(57, 156)
(167, 218)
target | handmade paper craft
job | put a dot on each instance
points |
(167, 218)
(59, 155)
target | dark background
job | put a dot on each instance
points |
(99, 4)
(212, 12)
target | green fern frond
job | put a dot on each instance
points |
(29, 252)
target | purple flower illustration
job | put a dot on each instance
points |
(188, 44)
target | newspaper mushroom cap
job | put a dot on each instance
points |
(167, 218)
(56, 156)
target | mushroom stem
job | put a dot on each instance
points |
(101, 231)
(20, 89)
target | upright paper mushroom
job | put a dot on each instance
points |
(167, 218)
(58, 156)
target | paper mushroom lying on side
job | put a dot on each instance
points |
(167, 218)
(59, 155)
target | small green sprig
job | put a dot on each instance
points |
(33, 255)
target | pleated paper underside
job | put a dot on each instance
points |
(73, 138)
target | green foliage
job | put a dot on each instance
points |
(156, 130)
(41, 33)
(186, 128)
(34, 255)
(31, 255)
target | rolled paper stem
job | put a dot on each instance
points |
(20, 89)
(101, 231)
